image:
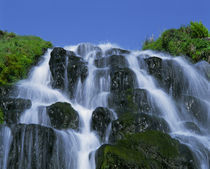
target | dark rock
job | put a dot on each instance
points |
(63, 116)
(31, 147)
(154, 66)
(101, 118)
(141, 100)
(76, 69)
(122, 79)
(150, 149)
(85, 48)
(116, 51)
(196, 108)
(112, 61)
(13, 107)
(192, 127)
(135, 123)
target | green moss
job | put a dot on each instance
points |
(150, 149)
(1, 116)
(18, 54)
(190, 41)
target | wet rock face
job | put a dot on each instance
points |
(63, 116)
(31, 147)
(136, 123)
(122, 79)
(61, 61)
(13, 107)
(116, 51)
(101, 118)
(150, 149)
(196, 108)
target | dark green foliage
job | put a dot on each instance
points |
(18, 54)
(191, 41)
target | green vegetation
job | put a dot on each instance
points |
(191, 40)
(1, 116)
(150, 149)
(18, 54)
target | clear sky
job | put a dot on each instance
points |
(124, 22)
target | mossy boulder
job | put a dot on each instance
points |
(63, 116)
(101, 118)
(130, 123)
(150, 149)
(62, 60)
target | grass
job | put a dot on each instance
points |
(191, 40)
(18, 54)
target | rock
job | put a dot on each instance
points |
(150, 149)
(63, 116)
(13, 107)
(31, 147)
(122, 79)
(154, 65)
(76, 69)
(116, 51)
(85, 48)
(204, 68)
(111, 61)
(196, 108)
(135, 123)
(192, 127)
(101, 118)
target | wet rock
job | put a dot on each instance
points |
(192, 127)
(150, 149)
(31, 147)
(154, 66)
(86, 48)
(63, 116)
(204, 68)
(122, 79)
(112, 62)
(116, 51)
(135, 123)
(101, 118)
(13, 107)
(196, 108)
(76, 69)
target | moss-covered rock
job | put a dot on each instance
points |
(63, 116)
(191, 41)
(18, 54)
(150, 149)
(130, 123)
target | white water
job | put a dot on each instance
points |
(78, 147)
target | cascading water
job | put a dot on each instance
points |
(75, 149)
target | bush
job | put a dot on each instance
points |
(188, 40)
(18, 54)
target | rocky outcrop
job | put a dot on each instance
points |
(63, 116)
(13, 107)
(150, 149)
(101, 118)
(31, 147)
(62, 61)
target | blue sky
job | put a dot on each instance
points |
(124, 22)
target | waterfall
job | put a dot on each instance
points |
(75, 149)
